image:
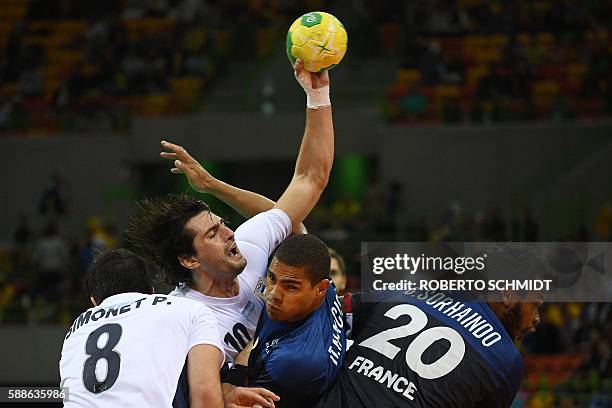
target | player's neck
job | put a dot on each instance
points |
(216, 288)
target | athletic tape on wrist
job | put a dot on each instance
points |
(318, 98)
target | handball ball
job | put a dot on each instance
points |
(317, 38)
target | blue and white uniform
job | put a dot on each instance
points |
(299, 361)
(426, 349)
(237, 316)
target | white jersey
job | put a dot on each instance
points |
(130, 350)
(237, 316)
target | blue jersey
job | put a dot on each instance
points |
(429, 349)
(300, 361)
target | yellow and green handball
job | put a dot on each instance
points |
(317, 38)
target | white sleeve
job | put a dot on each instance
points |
(204, 330)
(265, 230)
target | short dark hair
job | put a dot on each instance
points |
(511, 260)
(335, 255)
(157, 229)
(117, 271)
(308, 251)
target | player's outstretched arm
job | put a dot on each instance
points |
(246, 203)
(203, 362)
(316, 154)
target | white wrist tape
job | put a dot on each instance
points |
(318, 98)
(315, 98)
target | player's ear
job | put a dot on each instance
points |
(188, 261)
(506, 298)
(323, 285)
(93, 301)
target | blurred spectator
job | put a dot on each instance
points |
(53, 260)
(53, 201)
(502, 61)
(338, 271)
(530, 227)
(23, 232)
(525, 229)
(413, 105)
(493, 226)
(431, 64)
(508, 60)
(190, 10)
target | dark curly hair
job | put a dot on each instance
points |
(157, 230)
(117, 271)
(510, 260)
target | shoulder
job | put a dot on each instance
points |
(505, 365)
(198, 309)
(270, 216)
(516, 370)
(267, 221)
(181, 299)
(198, 316)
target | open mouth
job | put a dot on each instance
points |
(233, 251)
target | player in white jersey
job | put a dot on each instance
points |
(237, 316)
(206, 259)
(129, 349)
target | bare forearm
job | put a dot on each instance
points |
(316, 154)
(312, 167)
(206, 400)
(317, 151)
(245, 202)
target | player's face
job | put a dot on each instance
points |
(338, 277)
(290, 297)
(530, 317)
(215, 247)
(523, 317)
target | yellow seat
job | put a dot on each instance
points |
(153, 104)
(407, 77)
(195, 39)
(545, 88)
(446, 91)
(474, 74)
(186, 90)
(577, 70)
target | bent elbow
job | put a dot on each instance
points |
(322, 181)
(321, 178)
(316, 179)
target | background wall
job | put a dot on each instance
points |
(30, 355)
(514, 166)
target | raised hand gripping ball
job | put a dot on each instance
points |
(317, 38)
